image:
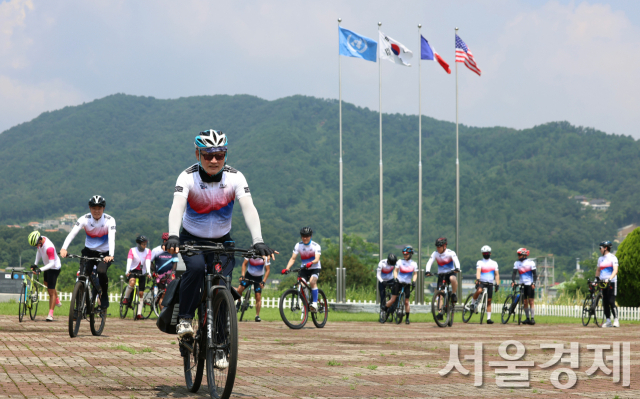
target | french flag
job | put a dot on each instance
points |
(428, 53)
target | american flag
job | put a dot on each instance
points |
(463, 54)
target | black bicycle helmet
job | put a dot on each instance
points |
(391, 259)
(606, 244)
(306, 231)
(97, 200)
(140, 239)
(408, 249)
(440, 242)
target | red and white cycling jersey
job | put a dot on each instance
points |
(139, 261)
(405, 270)
(210, 205)
(101, 233)
(525, 269)
(605, 265)
(256, 267)
(47, 252)
(385, 271)
(488, 270)
(308, 253)
(447, 261)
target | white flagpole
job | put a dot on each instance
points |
(457, 184)
(340, 156)
(380, 106)
(420, 294)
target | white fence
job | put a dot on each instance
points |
(575, 311)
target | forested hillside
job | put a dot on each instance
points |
(515, 184)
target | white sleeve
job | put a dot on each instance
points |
(295, 249)
(148, 266)
(129, 260)
(456, 262)
(73, 233)
(242, 187)
(52, 263)
(37, 257)
(175, 214)
(183, 185)
(251, 218)
(112, 238)
(429, 263)
(378, 274)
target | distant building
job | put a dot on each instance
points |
(34, 224)
(580, 198)
(14, 226)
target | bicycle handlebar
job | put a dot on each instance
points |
(192, 248)
(72, 256)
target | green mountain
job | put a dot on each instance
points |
(515, 185)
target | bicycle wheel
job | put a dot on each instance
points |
(399, 313)
(157, 300)
(123, 308)
(245, 302)
(438, 303)
(586, 311)
(598, 314)
(192, 360)
(520, 307)
(293, 309)
(451, 312)
(96, 319)
(466, 309)
(76, 309)
(22, 305)
(147, 303)
(135, 300)
(33, 309)
(222, 358)
(485, 298)
(506, 309)
(320, 317)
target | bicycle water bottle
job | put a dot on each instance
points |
(155, 290)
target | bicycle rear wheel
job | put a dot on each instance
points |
(399, 313)
(245, 302)
(293, 309)
(33, 309)
(506, 309)
(320, 317)
(598, 314)
(451, 312)
(123, 308)
(147, 303)
(466, 309)
(135, 300)
(192, 360)
(22, 305)
(586, 311)
(157, 300)
(76, 309)
(438, 308)
(485, 297)
(222, 358)
(520, 307)
(96, 318)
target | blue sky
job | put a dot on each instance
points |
(541, 61)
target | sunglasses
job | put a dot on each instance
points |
(219, 156)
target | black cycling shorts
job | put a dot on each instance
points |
(398, 286)
(489, 286)
(51, 278)
(142, 279)
(529, 292)
(444, 276)
(251, 279)
(308, 273)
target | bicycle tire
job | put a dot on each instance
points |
(33, 309)
(76, 309)
(439, 300)
(92, 318)
(520, 306)
(295, 315)
(466, 309)
(506, 308)
(598, 311)
(157, 300)
(225, 332)
(147, 303)
(387, 299)
(586, 310)
(245, 303)
(323, 309)
(399, 313)
(135, 300)
(451, 311)
(485, 298)
(22, 305)
(193, 361)
(123, 308)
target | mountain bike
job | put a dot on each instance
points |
(215, 327)
(514, 303)
(246, 301)
(396, 310)
(592, 305)
(158, 291)
(83, 300)
(147, 299)
(480, 307)
(386, 297)
(29, 291)
(442, 306)
(294, 305)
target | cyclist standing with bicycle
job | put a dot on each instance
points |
(310, 252)
(405, 276)
(163, 264)
(46, 251)
(385, 275)
(528, 277)
(608, 272)
(447, 262)
(203, 202)
(101, 241)
(256, 272)
(486, 275)
(138, 265)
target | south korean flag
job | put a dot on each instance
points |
(393, 51)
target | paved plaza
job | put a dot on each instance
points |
(345, 359)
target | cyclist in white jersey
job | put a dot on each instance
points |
(163, 267)
(203, 202)
(528, 276)
(256, 272)
(101, 241)
(46, 251)
(138, 265)
(405, 274)
(608, 272)
(447, 261)
(310, 257)
(385, 276)
(486, 275)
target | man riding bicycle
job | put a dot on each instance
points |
(163, 266)
(447, 262)
(528, 277)
(101, 241)
(385, 275)
(46, 251)
(310, 252)
(405, 273)
(203, 202)
(608, 272)
(486, 275)
(138, 265)
(256, 272)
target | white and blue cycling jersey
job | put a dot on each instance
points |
(308, 253)
(256, 267)
(406, 268)
(488, 270)
(447, 261)
(605, 265)
(385, 271)
(101, 233)
(525, 268)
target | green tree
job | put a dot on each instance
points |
(358, 260)
(629, 270)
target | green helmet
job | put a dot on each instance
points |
(34, 238)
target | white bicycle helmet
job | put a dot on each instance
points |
(486, 248)
(211, 140)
